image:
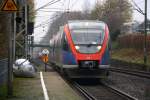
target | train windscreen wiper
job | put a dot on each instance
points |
(91, 43)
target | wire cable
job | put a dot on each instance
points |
(48, 4)
(51, 10)
(46, 22)
(137, 8)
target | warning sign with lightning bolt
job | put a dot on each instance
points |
(9, 5)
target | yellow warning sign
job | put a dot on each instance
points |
(45, 58)
(9, 5)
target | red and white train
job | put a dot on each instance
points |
(81, 49)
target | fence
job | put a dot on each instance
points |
(130, 48)
(3, 71)
(133, 41)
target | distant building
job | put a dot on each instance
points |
(135, 27)
(141, 27)
(130, 27)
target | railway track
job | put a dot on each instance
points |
(102, 92)
(119, 92)
(131, 72)
(84, 92)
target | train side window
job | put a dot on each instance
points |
(54, 47)
(65, 44)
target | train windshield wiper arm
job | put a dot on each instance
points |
(91, 43)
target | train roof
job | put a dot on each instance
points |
(75, 21)
(78, 24)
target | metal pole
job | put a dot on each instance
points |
(145, 36)
(32, 41)
(29, 46)
(14, 39)
(10, 60)
(26, 33)
(45, 67)
(45, 61)
(12, 53)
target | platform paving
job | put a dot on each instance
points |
(31, 88)
(58, 89)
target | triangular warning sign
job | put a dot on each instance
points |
(9, 5)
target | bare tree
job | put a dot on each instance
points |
(114, 13)
(62, 19)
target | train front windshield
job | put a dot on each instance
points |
(87, 36)
(87, 40)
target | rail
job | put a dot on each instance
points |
(111, 89)
(84, 92)
(131, 72)
(119, 92)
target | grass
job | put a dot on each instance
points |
(24, 89)
(114, 45)
(130, 55)
(3, 92)
(27, 89)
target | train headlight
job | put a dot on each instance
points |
(77, 47)
(99, 47)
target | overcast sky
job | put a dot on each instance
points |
(42, 16)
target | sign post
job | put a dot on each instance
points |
(11, 7)
(45, 60)
(45, 53)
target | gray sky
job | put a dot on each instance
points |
(141, 4)
(43, 16)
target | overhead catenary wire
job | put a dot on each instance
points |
(52, 18)
(137, 8)
(46, 22)
(43, 24)
(48, 4)
(51, 10)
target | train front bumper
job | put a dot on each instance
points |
(74, 71)
(77, 66)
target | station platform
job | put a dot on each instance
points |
(32, 88)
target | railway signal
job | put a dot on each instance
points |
(45, 53)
